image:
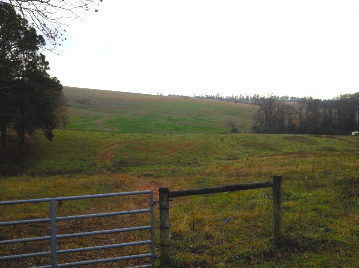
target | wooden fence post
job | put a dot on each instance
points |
(164, 227)
(277, 207)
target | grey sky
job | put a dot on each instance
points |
(285, 47)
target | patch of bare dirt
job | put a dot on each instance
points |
(154, 187)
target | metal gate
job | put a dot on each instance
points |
(53, 237)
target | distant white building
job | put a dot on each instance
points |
(355, 133)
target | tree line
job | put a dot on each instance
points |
(29, 98)
(339, 115)
(238, 98)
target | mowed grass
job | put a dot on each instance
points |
(320, 194)
(99, 110)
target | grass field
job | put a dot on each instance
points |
(98, 110)
(320, 206)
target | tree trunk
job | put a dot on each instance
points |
(3, 131)
(3, 137)
(21, 129)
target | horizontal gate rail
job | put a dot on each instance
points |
(77, 217)
(25, 240)
(42, 200)
(101, 261)
(24, 222)
(74, 250)
(106, 260)
(113, 231)
(105, 232)
(53, 237)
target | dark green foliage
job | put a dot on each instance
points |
(30, 98)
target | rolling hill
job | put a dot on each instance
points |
(135, 142)
(100, 110)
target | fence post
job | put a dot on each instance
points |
(277, 207)
(152, 230)
(164, 227)
(53, 233)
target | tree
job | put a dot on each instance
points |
(313, 116)
(302, 106)
(267, 115)
(310, 116)
(30, 97)
(232, 127)
(36, 101)
(291, 118)
(12, 32)
(48, 16)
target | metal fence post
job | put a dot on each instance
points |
(53, 233)
(164, 227)
(152, 230)
(277, 207)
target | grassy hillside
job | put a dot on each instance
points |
(320, 193)
(99, 110)
(140, 142)
(158, 154)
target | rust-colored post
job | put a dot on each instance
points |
(165, 227)
(277, 207)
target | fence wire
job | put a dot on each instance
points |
(205, 226)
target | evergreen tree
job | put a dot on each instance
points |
(29, 96)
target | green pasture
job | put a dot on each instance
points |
(320, 188)
(161, 154)
(98, 110)
(119, 142)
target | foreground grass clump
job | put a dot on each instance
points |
(320, 188)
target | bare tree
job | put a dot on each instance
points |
(291, 118)
(49, 16)
(232, 127)
(268, 113)
(313, 116)
(302, 106)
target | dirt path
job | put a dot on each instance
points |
(152, 186)
(106, 153)
(105, 158)
(296, 155)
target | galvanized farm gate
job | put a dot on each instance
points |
(53, 237)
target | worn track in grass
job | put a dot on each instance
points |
(106, 153)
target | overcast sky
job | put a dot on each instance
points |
(285, 47)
